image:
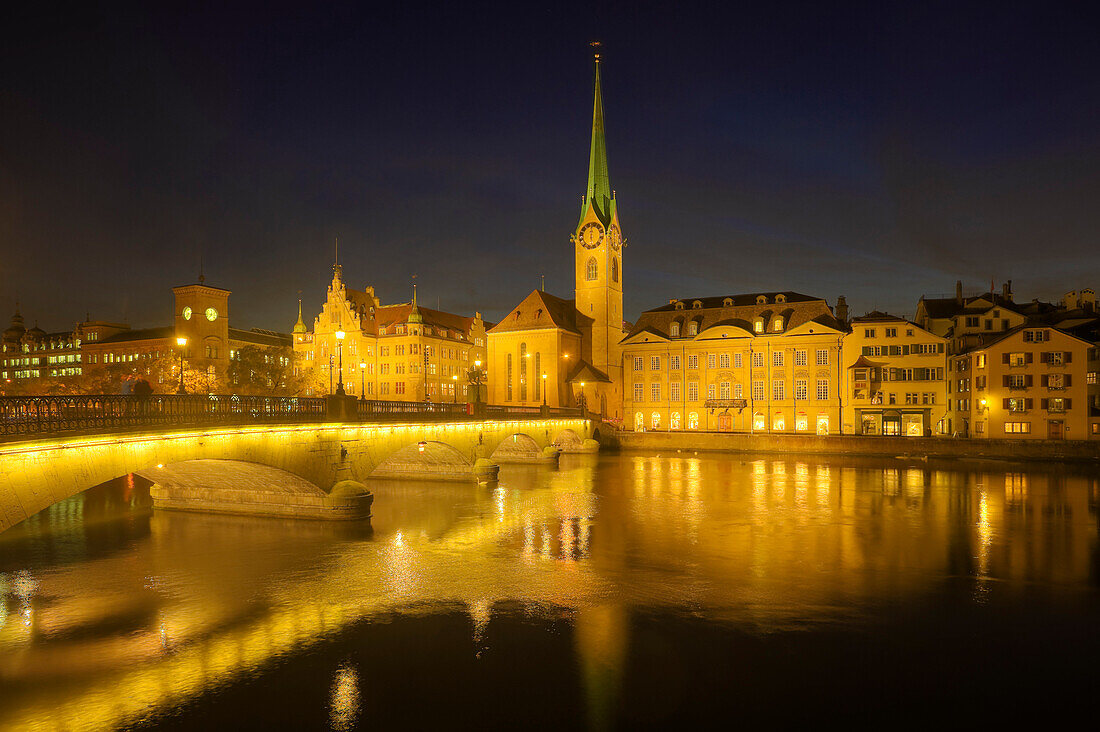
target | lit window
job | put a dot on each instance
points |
(758, 326)
(655, 421)
(693, 421)
(674, 421)
(674, 330)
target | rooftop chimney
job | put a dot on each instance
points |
(959, 291)
(1006, 291)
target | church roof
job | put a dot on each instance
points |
(142, 334)
(587, 373)
(541, 310)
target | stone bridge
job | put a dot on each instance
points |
(36, 473)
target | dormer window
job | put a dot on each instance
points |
(728, 302)
(674, 330)
(693, 328)
(758, 326)
(780, 298)
(679, 306)
(761, 299)
(697, 305)
(777, 325)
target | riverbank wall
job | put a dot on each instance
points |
(913, 447)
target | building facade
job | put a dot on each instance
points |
(1029, 383)
(896, 378)
(574, 342)
(397, 352)
(760, 363)
(96, 353)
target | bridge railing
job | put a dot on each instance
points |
(30, 415)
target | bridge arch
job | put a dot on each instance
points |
(426, 460)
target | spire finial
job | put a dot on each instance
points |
(337, 261)
(595, 49)
(300, 326)
(202, 272)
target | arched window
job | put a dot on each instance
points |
(614, 269)
(693, 328)
(674, 421)
(538, 376)
(591, 270)
(523, 372)
(639, 422)
(728, 302)
(777, 325)
(674, 330)
(693, 420)
(655, 420)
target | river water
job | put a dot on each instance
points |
(617, 591)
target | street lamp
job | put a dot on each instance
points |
(455, 379)
(340, 356)
(474, 377)
(544, 390)
(181, 342)
(362, 379)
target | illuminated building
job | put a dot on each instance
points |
(565, 352)
(95, 347)
(1028, 383)
(407, 352)
(760, 362)
(896, 373)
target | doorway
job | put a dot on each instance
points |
(1056, 429)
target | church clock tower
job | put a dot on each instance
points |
(598, 245)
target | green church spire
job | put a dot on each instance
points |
(599, 184)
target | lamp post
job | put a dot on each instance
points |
(544, 390)
(582, 401)
(181, 342)
(455, 379)
(474, 378)
(331, 366)
(362, 379)
(340, 356)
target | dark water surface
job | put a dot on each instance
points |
(619, 591)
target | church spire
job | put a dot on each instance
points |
(599, 184)
(300, 326)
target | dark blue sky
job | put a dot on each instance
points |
(876, 152)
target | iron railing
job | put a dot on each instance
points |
(29, 415)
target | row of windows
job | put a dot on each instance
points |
(759, 422)
(722, 360)
(903, 350)
(730, 390)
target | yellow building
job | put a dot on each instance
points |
(1029, 383)
(896, 378)
(761, 362)
(571, 345)
(400, 352)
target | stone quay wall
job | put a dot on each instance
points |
(918, 447)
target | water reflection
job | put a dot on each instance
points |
(100, 594)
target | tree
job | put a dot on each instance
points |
(273, 371)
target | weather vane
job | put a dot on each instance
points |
(596, 49)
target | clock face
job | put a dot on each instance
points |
(615, 236)
(590, 235)
(187, 313)
(211, 314)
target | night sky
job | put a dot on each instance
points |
(879, 153)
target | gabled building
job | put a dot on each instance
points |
(401, 352)
(896, 378)
(574, 342)
(1029, 383)
(759, 362)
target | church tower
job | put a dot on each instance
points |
(598, 244)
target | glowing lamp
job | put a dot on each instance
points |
(340, 335)
(181, 341)
(422, 445)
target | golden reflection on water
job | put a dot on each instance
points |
(345, 699)
(180, 605)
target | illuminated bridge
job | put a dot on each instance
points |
(54, 447)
